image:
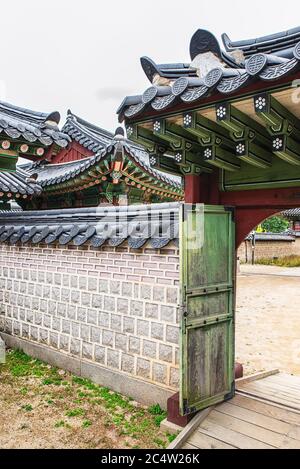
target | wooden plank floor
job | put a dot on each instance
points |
(264, 414)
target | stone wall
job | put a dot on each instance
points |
(114, 307)
(269, 249)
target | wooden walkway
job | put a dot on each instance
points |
(264, 414)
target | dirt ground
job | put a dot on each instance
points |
(268, 319)
(43, 407)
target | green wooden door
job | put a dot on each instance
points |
(207, 319)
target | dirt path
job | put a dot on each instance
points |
(268, 319)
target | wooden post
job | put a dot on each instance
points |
(192, 189)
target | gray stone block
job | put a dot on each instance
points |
(92, 284)
(122, 306)
(115, 287)
(134, 345)
(113, 358)
(157, 330)
(116, 322)
(95, 334)
(136, 308)
(97, 301)
(64, 342)
(92, 316)
(172, 334)
(86, 299)
(109, 304)
(71, 311)
(103, 319)
(121, 342)
(75, 347)
(128, 325)
(159, 294)
(82, 283)
(151, 310)
(127, 363)
(66, 326)
(65, 295)
(167, 314)
(143, 368)
(81, 314)
(33, 334)
(127, 288)
(159, 373)
(75, 328)
(142, 328)
(107, 338)
(149, 348)
(174, 377)
(145, 292)
(87, 350)
(61, 310)
(100, 354)
(165, 353)
(85, 332)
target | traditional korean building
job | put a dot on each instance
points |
(97, 168)
(30, 135)
(228, 121)
(150, 311)
(294, 217)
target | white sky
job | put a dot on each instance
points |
(84, 54)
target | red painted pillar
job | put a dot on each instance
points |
(192, 189)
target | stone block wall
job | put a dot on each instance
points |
(269, 249)
(116, 307)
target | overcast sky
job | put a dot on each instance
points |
(84, 54)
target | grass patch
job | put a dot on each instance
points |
(287, 261)
(27, 407)
(86, 423)
(75, 412)
(67, 396)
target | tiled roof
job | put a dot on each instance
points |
(18, 183)
(19, 123)
(286, 236)
(136, 225)
(102, 144)
(293, 213)
(217, 72)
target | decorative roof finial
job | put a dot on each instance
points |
(119, 133)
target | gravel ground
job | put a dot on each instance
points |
(268, 318)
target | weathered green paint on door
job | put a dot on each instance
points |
(207, 314)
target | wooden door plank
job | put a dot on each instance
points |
(250, 430)
(231, 437)
(267, 409)
(202, 441)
